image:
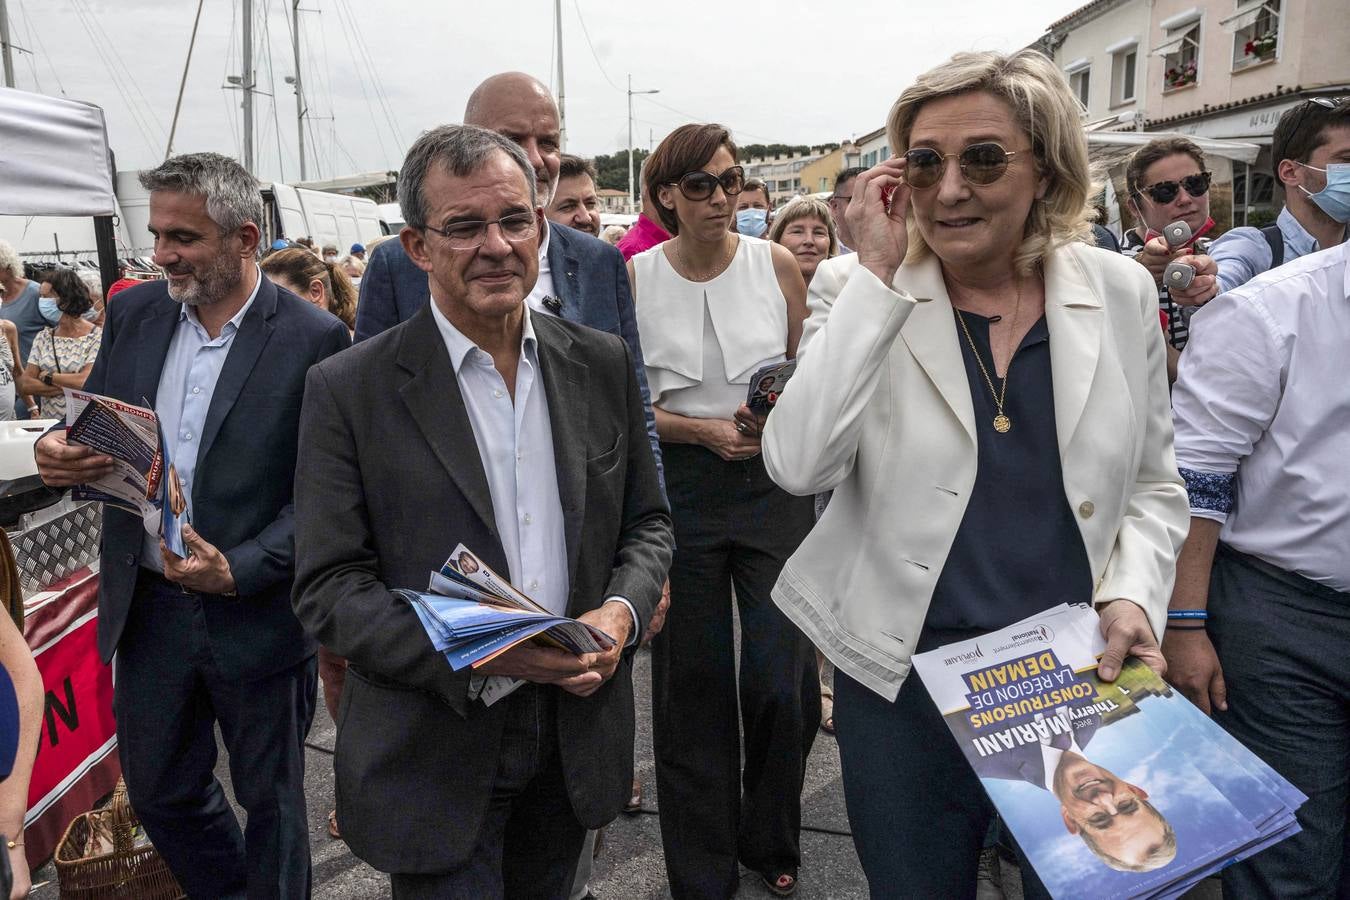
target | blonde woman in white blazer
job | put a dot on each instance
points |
(992, 416)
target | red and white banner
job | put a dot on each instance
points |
(77, 761)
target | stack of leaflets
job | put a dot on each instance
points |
(473, 615)
(143, 479)
(1121, 789)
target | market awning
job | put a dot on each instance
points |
(1128, 141)
(54, 158)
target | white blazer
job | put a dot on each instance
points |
(879, 411)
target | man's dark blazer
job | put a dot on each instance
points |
(589, 278)
(388, 482)
(241, 493)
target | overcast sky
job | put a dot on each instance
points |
(788, 70)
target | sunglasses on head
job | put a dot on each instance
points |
(1166, 191)
(1304, 108)
(702, 185)
(980, 164)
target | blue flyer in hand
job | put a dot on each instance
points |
(143, 479)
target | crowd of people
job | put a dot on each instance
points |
(992, 413)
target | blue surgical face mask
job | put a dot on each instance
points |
(49, 308)
(1334, 199)
(752, 222)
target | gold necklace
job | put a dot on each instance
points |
(1002, 424)
(726, 261)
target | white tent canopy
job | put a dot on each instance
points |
(1238, 151)
(54, 158)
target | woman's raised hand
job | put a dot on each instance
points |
(877, 217)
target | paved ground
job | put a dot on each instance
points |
(631, 865)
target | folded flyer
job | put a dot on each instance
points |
(143, 480)
(472, 615)
(1117, 789)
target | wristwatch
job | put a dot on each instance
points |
(47, 378)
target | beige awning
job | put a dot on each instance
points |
(1246, 16)
(1173, 46)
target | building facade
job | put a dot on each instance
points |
(818, 176)
(1225, 69)
(1103, 50)
(781, 173)
(612, 201)
(873, 148)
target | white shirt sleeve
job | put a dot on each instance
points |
(1229, 386)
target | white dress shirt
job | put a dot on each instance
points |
(1262, 413)
(187, 382)
(515, 445)
(543, 287)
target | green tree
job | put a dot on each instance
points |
(612, 171)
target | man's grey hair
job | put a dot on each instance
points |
(9, 260)
(232, 195)
(462, 150)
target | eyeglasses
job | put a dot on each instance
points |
(471, 234)
(702, 185)
(980, 164)
(1166, 191)
(841, 197)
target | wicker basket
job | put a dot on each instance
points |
(101, 858)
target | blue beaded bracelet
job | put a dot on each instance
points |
(1187, 614)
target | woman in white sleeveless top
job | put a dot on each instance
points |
(712, 308)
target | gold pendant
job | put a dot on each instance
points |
(1002, 424)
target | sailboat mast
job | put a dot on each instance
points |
(247, 83)
(562, 103)
(299, 94)
(182, 83)
(9, 55)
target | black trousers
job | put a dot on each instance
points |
(733, 528)
(169, 698)
(530, 839)
(918, 812)
(1283, 641)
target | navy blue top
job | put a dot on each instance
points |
(1018, 550)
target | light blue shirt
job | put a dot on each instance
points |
(1244, 253)
(186, 385)
(515, 446)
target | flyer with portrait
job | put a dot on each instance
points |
(767, 385)
(473, 615)
(1112, 789)
(143, 479)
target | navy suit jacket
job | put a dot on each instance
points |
(589, 278)
(242, 492)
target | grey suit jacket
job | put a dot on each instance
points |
(384, 491)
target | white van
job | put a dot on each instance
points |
(288, 213)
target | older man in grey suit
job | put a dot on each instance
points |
(523, 437)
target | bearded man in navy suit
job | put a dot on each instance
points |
(221, 354)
